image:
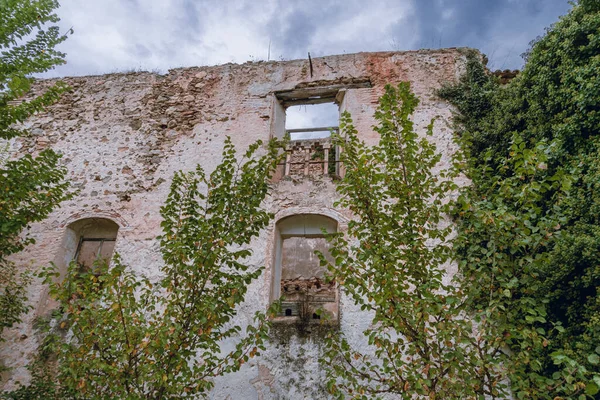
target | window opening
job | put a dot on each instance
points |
(87, 240)
(299, 280)
(309, 128)
(306, 115)
(83, 241)
(311, 121)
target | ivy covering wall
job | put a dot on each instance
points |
(529, 226)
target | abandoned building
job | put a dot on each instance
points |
(122, 136)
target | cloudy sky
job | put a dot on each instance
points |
(155, 35)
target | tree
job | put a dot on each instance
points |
(528, 228)
(30, 187)
(136, 339)
(392, 264)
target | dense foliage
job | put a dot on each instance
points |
(130, 338)
(528, 243)
(392, 262)
(529, 226)
(30, 187)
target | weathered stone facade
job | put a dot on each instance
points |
(123, 136)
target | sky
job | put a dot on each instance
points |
(156, 35)
(323, 115)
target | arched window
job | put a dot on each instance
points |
(299, 280)
(84, 241)
(88, 240)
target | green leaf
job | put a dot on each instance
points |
(591, 389)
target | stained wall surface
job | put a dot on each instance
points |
(123, 136)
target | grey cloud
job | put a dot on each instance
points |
(190, 22)
(141, 51)
(133, 3)
(498, 27)
(295, 28)
(466, 19)
(117, 35)
(298, 32)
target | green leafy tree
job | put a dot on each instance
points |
(134, 339)
(30, 187)
(528, 239)
(392, 262)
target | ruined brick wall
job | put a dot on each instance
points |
(123, 136)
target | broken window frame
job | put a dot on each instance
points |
(82, 240)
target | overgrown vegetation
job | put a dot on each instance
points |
(30, 187)
(522, 317)
(528, 242)
(529, 226)
(138, 340)
(392, 263)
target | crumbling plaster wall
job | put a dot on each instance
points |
(123, 136)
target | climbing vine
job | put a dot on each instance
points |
(528, 241)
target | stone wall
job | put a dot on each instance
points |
(123, 136)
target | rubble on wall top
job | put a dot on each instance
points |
(262, 63)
